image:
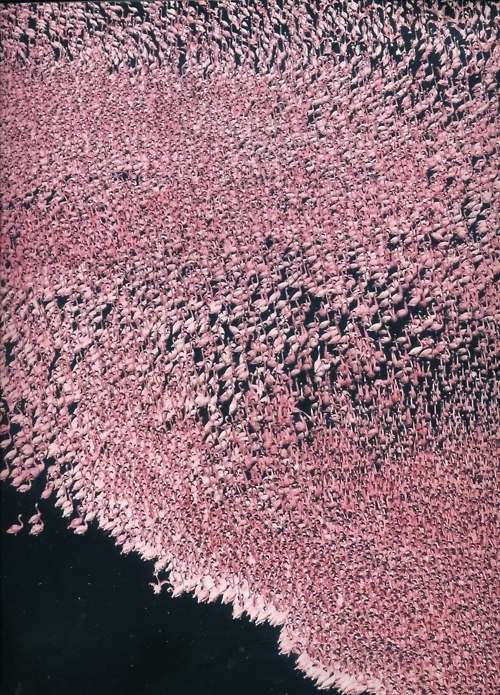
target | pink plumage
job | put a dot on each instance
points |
(250, 315)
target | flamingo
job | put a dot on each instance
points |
(14, 529)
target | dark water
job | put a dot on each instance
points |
(78, 618)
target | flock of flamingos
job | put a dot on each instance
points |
(250, 313)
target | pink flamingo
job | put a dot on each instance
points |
(14, 529)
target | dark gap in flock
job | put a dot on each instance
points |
(9, 346)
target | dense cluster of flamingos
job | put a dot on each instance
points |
(249, 313)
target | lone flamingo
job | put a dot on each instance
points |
(15, 528)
